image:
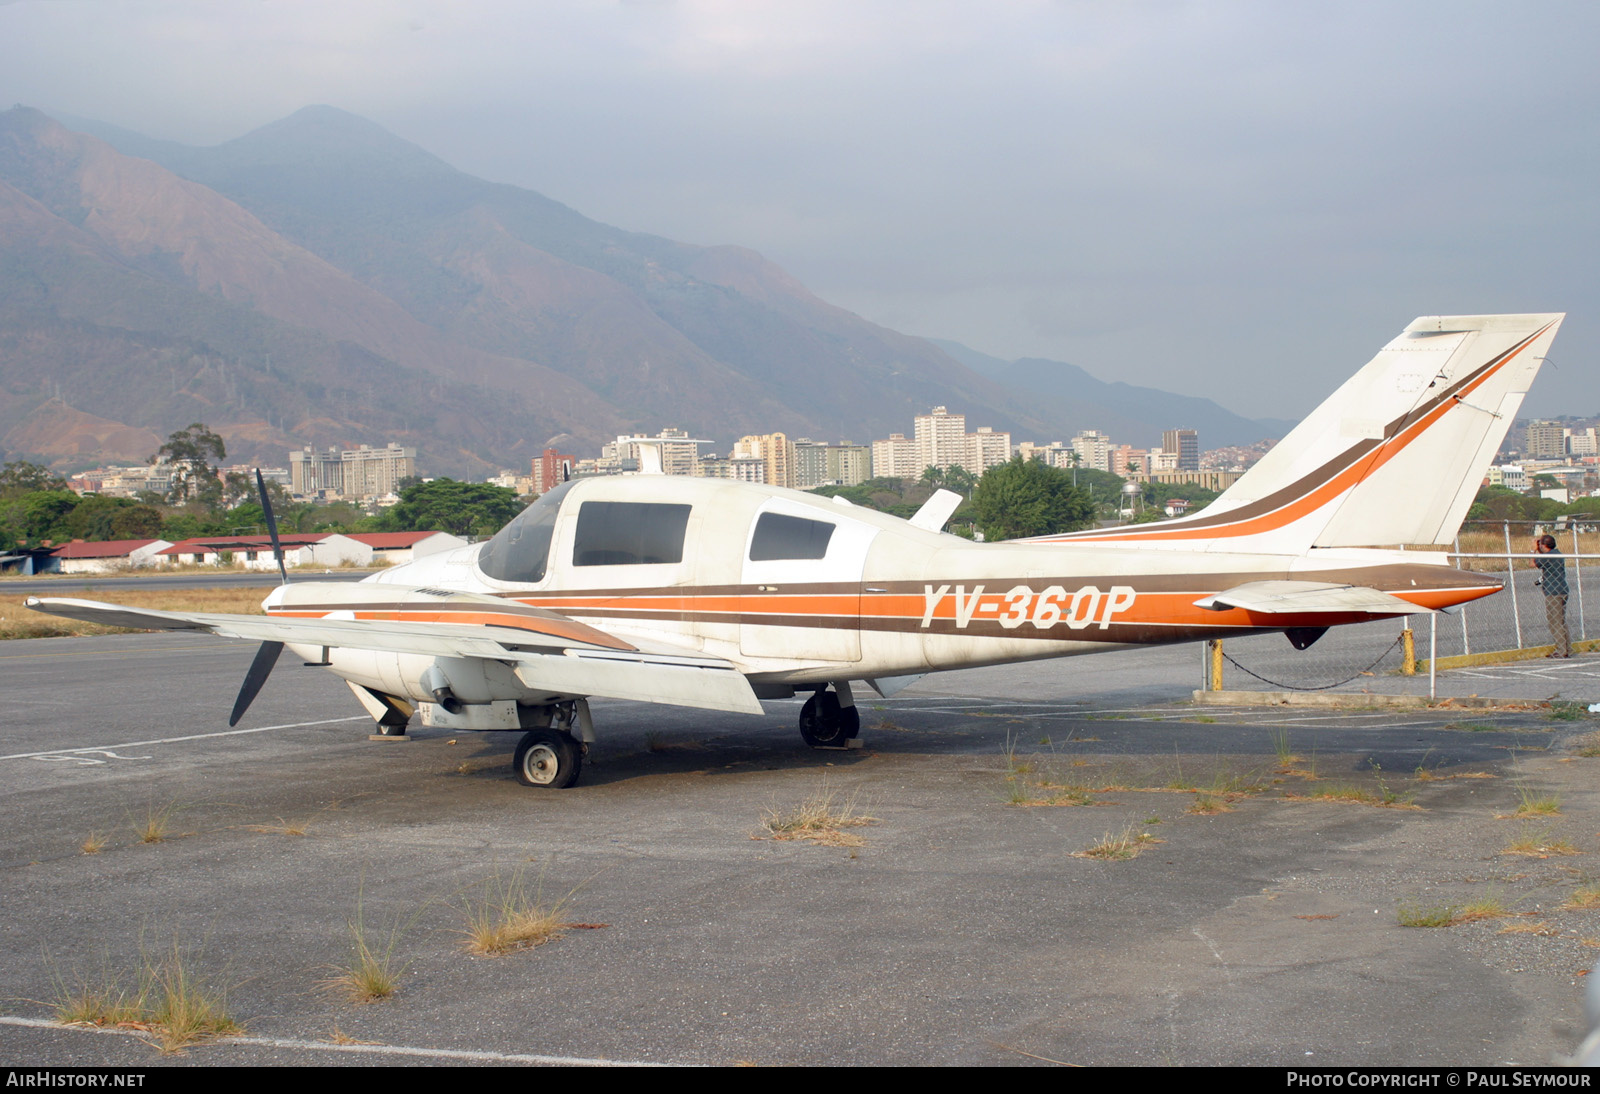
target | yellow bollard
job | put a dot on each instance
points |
(1216, 664)
(1408, 650)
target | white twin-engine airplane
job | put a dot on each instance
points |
(707, 593)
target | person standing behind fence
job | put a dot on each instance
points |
(1552, 580)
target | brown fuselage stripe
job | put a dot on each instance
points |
(1323, 485)
(1162, 608)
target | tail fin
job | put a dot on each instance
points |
(1396, 455)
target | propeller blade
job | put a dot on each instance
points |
(272, 530)
(260, 669)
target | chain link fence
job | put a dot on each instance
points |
(1514, 619)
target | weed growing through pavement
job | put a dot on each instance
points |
(1587, 745)
(1534, 804)
(93, 843)
(1489, 906)
(1539, 843)
(283, 827)
(1583, 898)
(510, 913)
(373, 971)
(168, 1000)
(1431, 915)
(1124, 845)
(156, 824)
(1566, 712)
(1281, 746)
(819, 819)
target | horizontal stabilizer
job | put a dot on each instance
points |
(1307, 597)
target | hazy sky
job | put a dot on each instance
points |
(1241, 200)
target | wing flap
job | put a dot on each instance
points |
(1308, 597)
(643, 679)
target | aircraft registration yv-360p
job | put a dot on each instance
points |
(714, 594)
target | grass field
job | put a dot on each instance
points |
(17, 621)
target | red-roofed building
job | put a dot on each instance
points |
(79, 557)
(397, 548)
(255, 552)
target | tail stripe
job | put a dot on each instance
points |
(1326, 483)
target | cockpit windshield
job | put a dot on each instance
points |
(521, 550)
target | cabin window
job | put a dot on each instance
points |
(780, 537)
(521, 550)
(629, 533)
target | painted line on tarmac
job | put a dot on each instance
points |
(176, 740)
(368, 1049)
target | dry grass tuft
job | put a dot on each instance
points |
(93, 844)
(1206, 804)
(156, 824)
(1488, 906)
(283, 827)
(1582, 899)
(340, 1037)
(1588, 745)
(1359, 795)
(1540, 844)
(1536, 805)
(373, 972)
(1537, 927)
(820, 819)
(169, 1002)
(511, 914)
(1418, 915)
(101, 1002)
(1125, 845)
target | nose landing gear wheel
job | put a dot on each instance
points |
(548, 758)
(825, 724)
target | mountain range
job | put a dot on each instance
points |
(321, 281)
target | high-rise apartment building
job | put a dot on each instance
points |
(1545, 441)
(776, 449)
(1185, 445)
(941, 439)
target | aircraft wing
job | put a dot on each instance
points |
(1308, 597)
(567, 657)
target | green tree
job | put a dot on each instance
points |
(194, 453)
(960, 480)
(92, 518)
(21, 477)
(136, 522)
(37, 516)
(1029, 498)
(460, 508)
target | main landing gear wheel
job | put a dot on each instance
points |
(548, 758)
(825, 724)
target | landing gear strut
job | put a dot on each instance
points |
(829, 719)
